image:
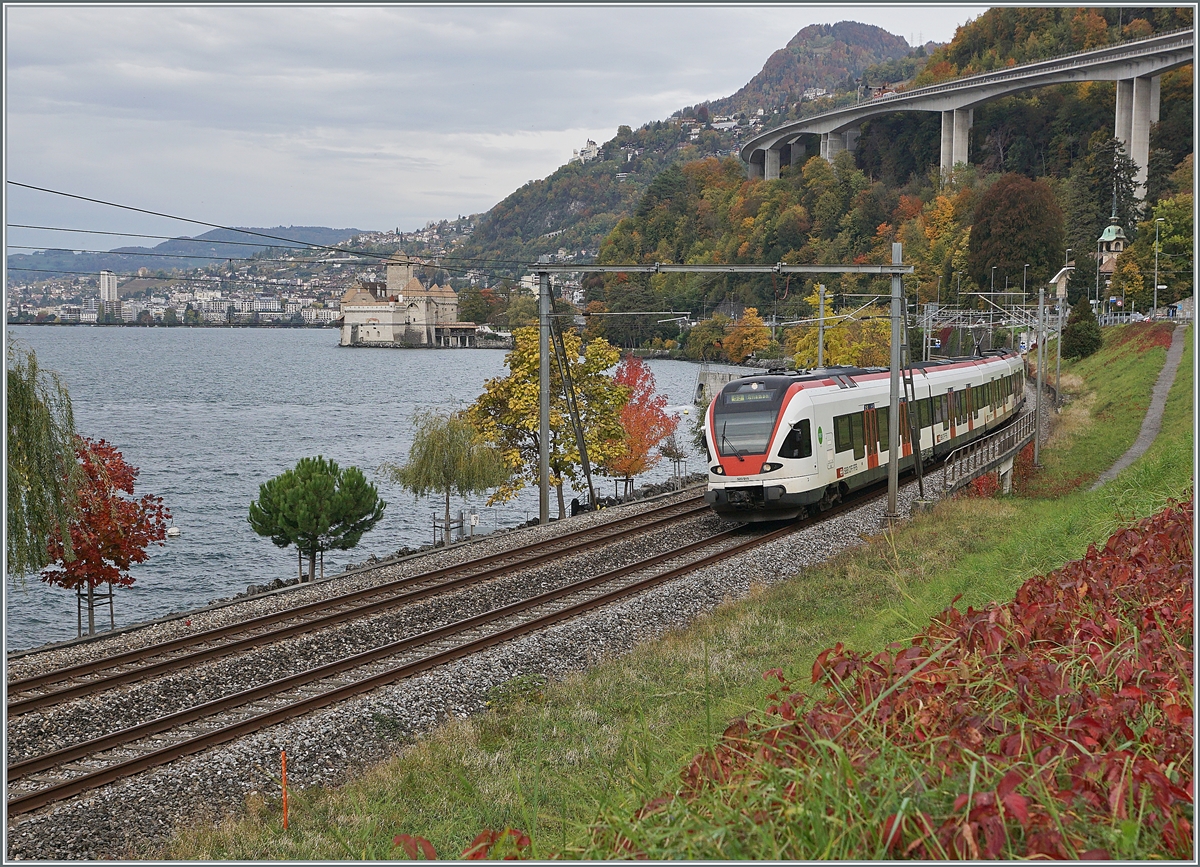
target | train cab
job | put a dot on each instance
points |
(760, 444)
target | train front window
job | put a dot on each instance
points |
(744, 418)
(798, 443)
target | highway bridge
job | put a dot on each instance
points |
(1136, 66)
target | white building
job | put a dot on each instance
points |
(108, 286)
(403, 312)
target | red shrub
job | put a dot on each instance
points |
(1001, 687)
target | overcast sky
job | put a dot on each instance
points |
(374, 117)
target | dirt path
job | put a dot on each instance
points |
(1154, 414)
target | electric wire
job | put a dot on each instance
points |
(381, 256)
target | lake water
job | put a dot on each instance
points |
(208, 414)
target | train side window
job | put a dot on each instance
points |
(798, 442)
(841, 433)
(939, 410)
(881, 422)
(925, 412)
(857, 436)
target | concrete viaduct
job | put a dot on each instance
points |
(1136, 66)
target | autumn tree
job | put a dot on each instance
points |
(643, 418)
(507, 413)
(447, 456)
(110, 530)
(747, 337)
(43, 472)
(1017, 223)
(706, 341)
(317, 507)
(864, 342)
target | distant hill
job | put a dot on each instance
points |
(196, 252)
(579, 204)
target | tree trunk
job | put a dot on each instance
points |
(447, 525)
(562, 508)
(91, 610)
(312, 565)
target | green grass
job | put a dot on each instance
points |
(596, 746)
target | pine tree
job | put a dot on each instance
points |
(1081, 336)
(316, 507)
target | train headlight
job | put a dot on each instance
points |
(770, 467)
(719, 470)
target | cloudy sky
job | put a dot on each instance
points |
(372, 116)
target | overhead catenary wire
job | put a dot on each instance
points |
(381, 256)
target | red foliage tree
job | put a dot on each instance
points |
(643, 417)
(111, 530)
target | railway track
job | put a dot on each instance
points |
(39, 780)
(53, 687)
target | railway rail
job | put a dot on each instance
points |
(37, 781)
(29, 694)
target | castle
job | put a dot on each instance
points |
(403, 312)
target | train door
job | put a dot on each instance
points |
(871, 428)
(952, 412)
(968, 395)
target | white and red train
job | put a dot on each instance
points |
(780, 444)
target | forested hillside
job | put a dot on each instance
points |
(1044, 173)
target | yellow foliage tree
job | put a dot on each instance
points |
(507, 413)
(863, 342)
(747, 337)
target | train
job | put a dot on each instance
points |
(783, 444)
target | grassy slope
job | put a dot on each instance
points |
(602, 742)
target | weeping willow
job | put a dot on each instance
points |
(43, 474)
(448, 455)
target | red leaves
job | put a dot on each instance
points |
(1042, 698)
(110, 532)
(643, 418)
(413, 846)
(507, 845)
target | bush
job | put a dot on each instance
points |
(1081, 337)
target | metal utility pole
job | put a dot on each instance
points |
(894, 401)
(821, 325)
(1154, 312)
(1062, 300)
(544, 398)
(1037, 404)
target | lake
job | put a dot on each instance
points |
(208, 414)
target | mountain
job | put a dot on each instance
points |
(192, 252)
(576, 207)
(824, 56)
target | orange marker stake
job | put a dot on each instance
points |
(283, 759)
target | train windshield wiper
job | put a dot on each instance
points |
(725, 442)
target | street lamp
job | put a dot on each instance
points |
(1154, 310)
(1024, 273)
(993, 287)
(1067, 257)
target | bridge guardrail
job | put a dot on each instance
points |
(975, 459)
